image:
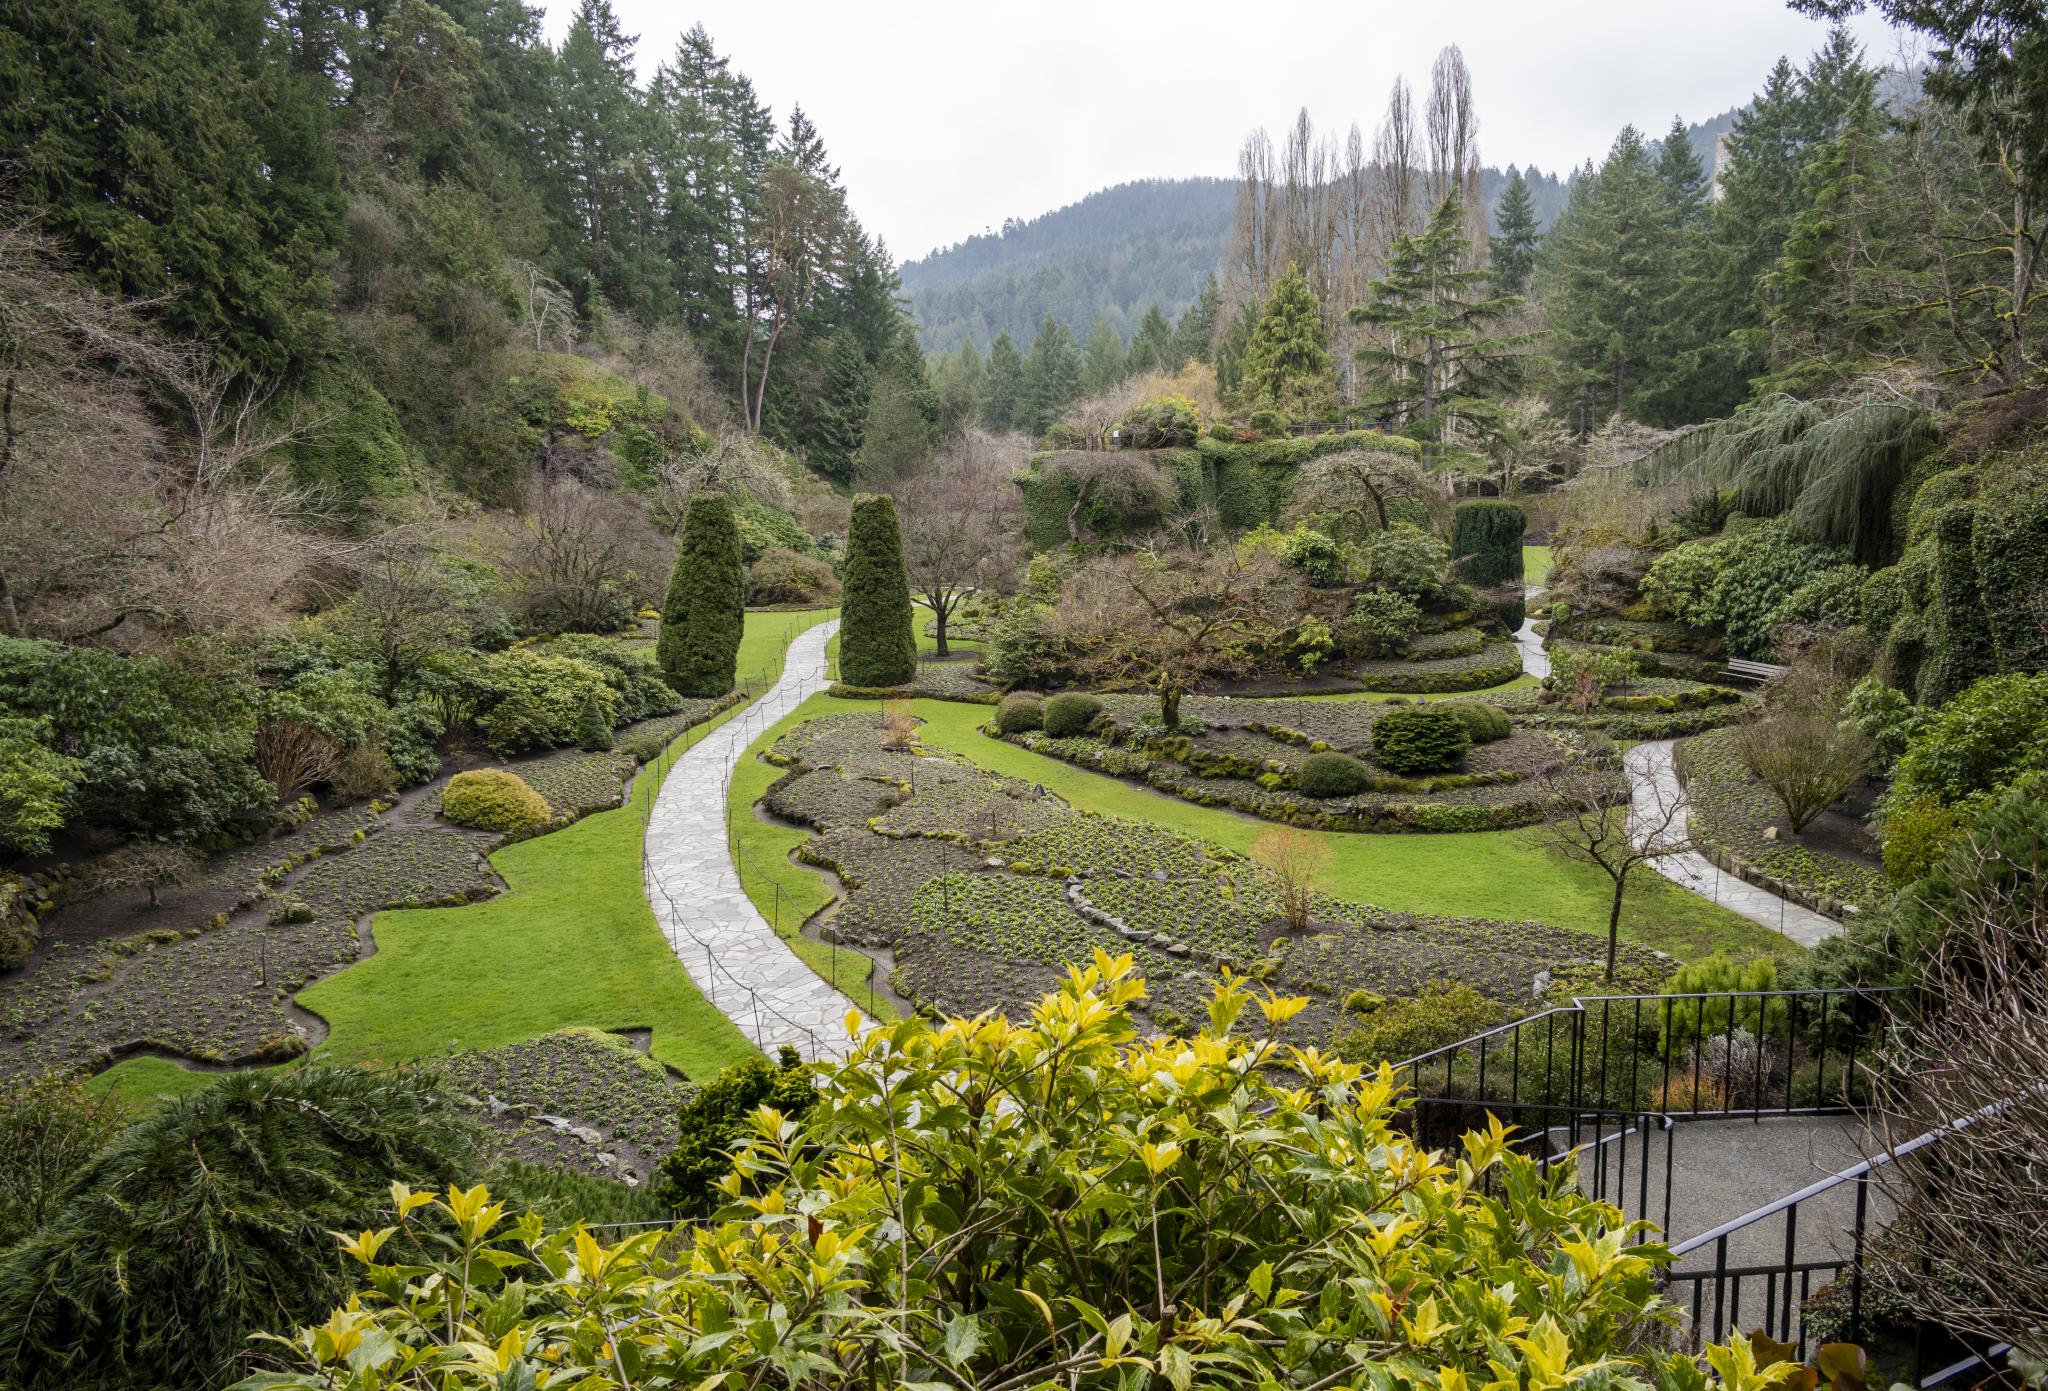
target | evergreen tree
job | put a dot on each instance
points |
(1513, 244)
(1152, 348)
(1684, 178)
(1287, 363)
(598, 135)
(877, 647)
(902, 414)
(1438, 349)
(1197, 327)
(957, 382)
(1103, 365)
(705, 613)
(839, 412)
(1052, 377)
(1002, 386)
(1230, 351)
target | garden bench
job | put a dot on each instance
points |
(1756, 672)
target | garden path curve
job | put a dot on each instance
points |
(725, 944)
(1535, 660)
(1654, 785)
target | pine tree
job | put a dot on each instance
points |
(598, 137)
(1513, 244)
(705, 614)
(1438, 351)
(1683, 176)
(1102, 366)
(1051, 378)
(1152, 348)
(1002, 386)
(1287, 363)
(839, 412)
(1197, 327)
(877, 647)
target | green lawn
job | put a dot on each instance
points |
(570, 941)
(1536, 564)
(145, 1083)
(1487, 874)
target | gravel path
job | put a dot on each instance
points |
(1655, 784)
(728, 948)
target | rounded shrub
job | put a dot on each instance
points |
(1070, 714)
(1017, 713)
(1483, 723)
(491, 799)
(1332, 775)
(1426, 739)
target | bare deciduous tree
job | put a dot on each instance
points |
(403, 609)
(151, 867)
(961, 524)
(738, 464)
(1617, 820)
(292, 755)
(1807, 760)
(577, 554)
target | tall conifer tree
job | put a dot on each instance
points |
(705, 614)
(1002, 386)
(1102, 366)
(1287, 363)
(1052, 376)
(877, 646)
(1513, 244)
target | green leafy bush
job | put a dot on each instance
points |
(1609, 667)
(717, 1120)
(215, 1217)
(1978, 743)
(1422, 739)
(1483, 723)
(783, 576)
(1332, 774)
(704, 614)
(1406, 559)
(1382, 619)
(1018, 713)
(36, 783)
(1167, 422)
(1443, 1013)
(532, 700)
(636, 681)
(1315, 555)
(1884, 716)
(1486, 541)
(491, 799)
(1070, 714)
(1737, 584)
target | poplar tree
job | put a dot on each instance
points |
(877, 647)
(1287, 363)
(1002, 386)
(705, 614)
(1513, 244)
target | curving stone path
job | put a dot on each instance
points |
(1535, 660)
(723, 942)
(1655, 785)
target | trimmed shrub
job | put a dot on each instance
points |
(1425, 739)
(532, 700)
(705, 613)
(1018, 713)
(1726, 983)
(1443, 1013)
(782, 576)
(1486, 542)
(593, 730)
(1483, 723)
(1070, 714)
(1332, 775)
(717, 1120)
(876, 644)
(491, 799)
(1962, 648)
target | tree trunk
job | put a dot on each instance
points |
(1614, 925)
(1169, 707)
(940, 612)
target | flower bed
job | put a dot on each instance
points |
(822, 798)
(1451, 642)
(594, 1080)
(1730, 812)
(1496, 663)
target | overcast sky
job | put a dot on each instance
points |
(947, 117)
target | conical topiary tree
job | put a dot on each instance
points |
(705, 612)
(876, 645)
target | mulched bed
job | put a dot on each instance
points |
(823, 799)
(1834, 862)
(597, 1082)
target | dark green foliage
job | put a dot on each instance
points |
(636, 681)
(1287, 363)
(1422, 739)
(1444, 1012)
(1070, 714)
(1002, 386)
(593, 730)
(1963, 649)
(1513, 244)
(1486, 542)
(214, 1217)
(1332, 775)
(876, 644)
(718, 1119)
(1018, 713)
(1977, 742)
(705, 614)
(1050, 380)
(839, 410)
(1483, 723)
(2010, 544)
(50, 1129)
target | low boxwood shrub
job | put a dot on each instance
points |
(1483, 723)
(491, 799)
(1018, 713)
(1332, 775)
(1426, 739)
(1068, 715)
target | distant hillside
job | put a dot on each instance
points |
(1115, 251)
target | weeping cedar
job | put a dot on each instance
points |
(1835, 468)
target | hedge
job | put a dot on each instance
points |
(1070, 714)
(1419, 740)
(1498, 663)
(1486, 542)
(1332, 775)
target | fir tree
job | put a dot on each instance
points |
(1197, 327)
(903, 413)
(877, 647)
(1287, 363)
(1152, 348)
(1513, 244)
(1439, 351)
(1002, 386)
(839, 410)
(704, 615)
(1102, 366)
(1052, 377)
(1683, 177)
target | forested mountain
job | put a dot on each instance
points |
(1117, 252)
